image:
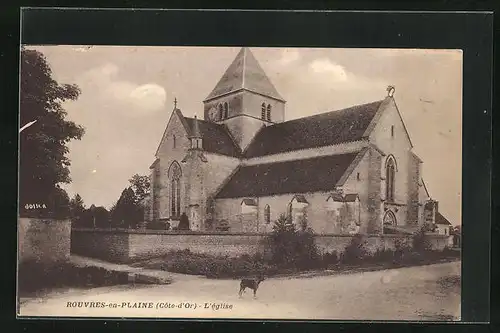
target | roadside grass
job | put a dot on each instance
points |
(226, 267)
(36, 278)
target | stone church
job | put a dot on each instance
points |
(243, 165)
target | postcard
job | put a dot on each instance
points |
(240, 183)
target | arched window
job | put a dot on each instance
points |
(390, 170)
(390, 218)
(174, 176)
(268, 112)
(263, 112)
(267, 214)
(226, 110)
(220, 112)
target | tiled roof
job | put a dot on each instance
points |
(316, 131)
(440, 219)
(245, 73)
(299, 176)
(154, 163)
(300, 198)
(249, 202)
(350, 197)
(337, 197)
(216, 139)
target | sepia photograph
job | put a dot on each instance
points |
(240, 183)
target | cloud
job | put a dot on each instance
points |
(334, 71)
(104, 80)
(328, 74)
(322, 84)
(150, 96)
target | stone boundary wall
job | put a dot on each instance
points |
(121, 245)
(45, 241)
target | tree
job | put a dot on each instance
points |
(141, 187)
(126, 213)
(77, 208)
(101, 216)
(43, 146)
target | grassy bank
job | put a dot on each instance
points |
(211, 266)
(35, 277)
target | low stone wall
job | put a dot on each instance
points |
(439, 242)
(337, 243)
(112, 245)
(43, 240)
(149, 245)
(126, 245)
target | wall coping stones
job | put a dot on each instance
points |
(218, 233)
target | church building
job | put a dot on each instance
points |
(244, 164)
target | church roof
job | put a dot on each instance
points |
(298, 176)
(216, 139)
(246, 73)
(440, 219)
(249, 202)
(315, 131)
(351, 197)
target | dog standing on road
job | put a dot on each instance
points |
(250, 284)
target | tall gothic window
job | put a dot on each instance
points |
(268, 112)
(263, 112)
(390, 170)
(267, 214)
(174, 175)
(220, 111)
(226, 110)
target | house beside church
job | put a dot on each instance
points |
(243, 164)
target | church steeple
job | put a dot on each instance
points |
(245, 73)
(244, 99)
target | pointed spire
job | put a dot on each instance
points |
(245, 72)
(175, 103)
(195, 131)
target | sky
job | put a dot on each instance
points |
(128, 96)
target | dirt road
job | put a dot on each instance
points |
(415, 293)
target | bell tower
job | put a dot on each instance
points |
(244, 100)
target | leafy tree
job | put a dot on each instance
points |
(43, 146)
(126, 213)
(101, 216)
(355, 251)
(141, 187)
(77, 208)
(420, 243)
(290, 247)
